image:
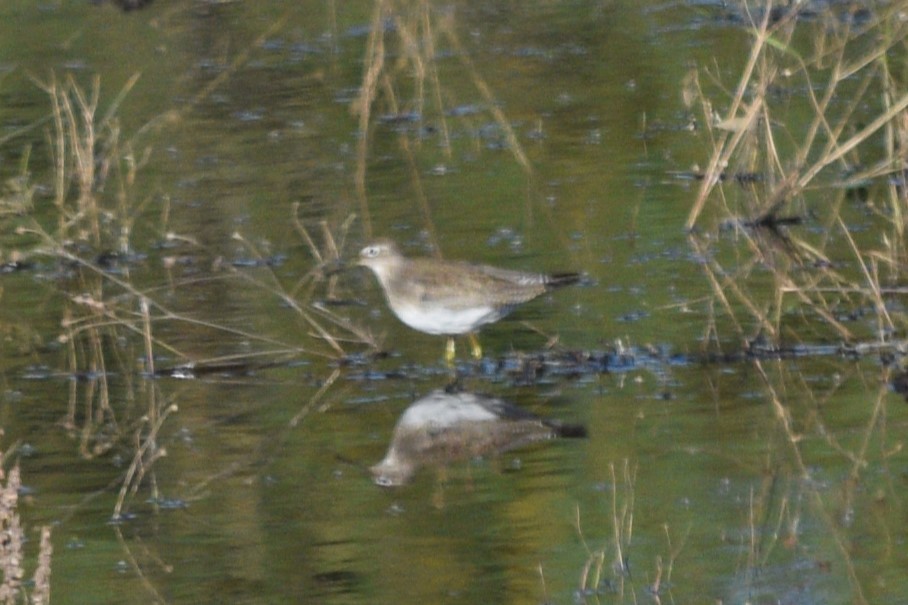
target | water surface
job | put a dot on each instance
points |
(746, 482)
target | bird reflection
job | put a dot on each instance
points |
(128, 5)
(443, 427)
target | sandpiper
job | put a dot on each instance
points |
(449, 297)
(445, 426)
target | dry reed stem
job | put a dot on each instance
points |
(100, 317)
(873, 282)
(333, 248)
(794, 438)
(411, 56)
(725, 148)
(623, 522)
(175, 115)
(362, 106)
(139, 570)
(74, 148)
(74, 115)
(751, 567)
(827, 140)
(97, 367)
(759, 511)
(485, 91)
(12, 551)
(417, 28)
(325, 259)
(57, 148)
(313, 401)
(17, 132)
(416, 60)
(410, 41)
(591, 574)
(94, 317)
(78, 122)
(594, 560)
(423, 201)
(320, 331)
(718, 291)
(545, 591)
(163, 312)
(12, 538)
(429, 39)
(301, 229)
(673, 553)
(146, 454)
(811, 296)
(879, 122)
(41, 591)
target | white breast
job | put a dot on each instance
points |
(441, 320)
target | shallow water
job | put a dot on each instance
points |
(753, 481)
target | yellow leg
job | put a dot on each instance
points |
(475, 349)
(449, 351)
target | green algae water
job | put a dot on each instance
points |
(539, 136)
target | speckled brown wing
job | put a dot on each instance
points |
(449, 285)
(462, 285)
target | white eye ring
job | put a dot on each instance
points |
(371, 251)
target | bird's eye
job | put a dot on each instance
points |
(370, 251)
(383, 481)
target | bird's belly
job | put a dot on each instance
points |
(442, 320)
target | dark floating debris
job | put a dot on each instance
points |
(240, 367)
(518, 368)
(128, 5)
(271, 261)
(899, 383)
(168, 503)
(122, 518)
(341, 579)
(462, 111)
(743, 178)
(769, 221)
(114, 261)
(14, 266)
(409, 117)
(444, 426)
(343, 302)
(553, 365)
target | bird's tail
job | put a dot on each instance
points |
(568, 431)
(559, 280)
